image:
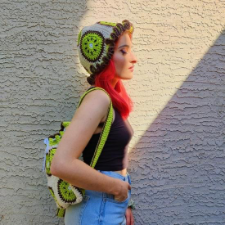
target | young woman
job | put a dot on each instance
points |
(105, 52)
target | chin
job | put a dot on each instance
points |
(130, 76)
(126, 77)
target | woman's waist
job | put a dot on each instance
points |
(116, 165)
(122, 172)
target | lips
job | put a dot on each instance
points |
(131, 68)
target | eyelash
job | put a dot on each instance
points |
(123, 52)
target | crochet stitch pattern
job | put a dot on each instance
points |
(49, 158)
(107, 23)
(52, 193)
(64, 190)
(92, 45)
(96, 44)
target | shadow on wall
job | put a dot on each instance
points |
(177, 167)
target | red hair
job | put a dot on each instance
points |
(120, 99)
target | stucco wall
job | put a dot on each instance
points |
(178, 150)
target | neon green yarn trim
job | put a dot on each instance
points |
(79, 37)
(103, 137)
(49, 158)
(65, 124)
(61, 212)
(52, 193)
(107, 23)
(54, 141)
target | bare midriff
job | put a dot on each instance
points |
(122, 172)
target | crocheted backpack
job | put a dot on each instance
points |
(64, 193)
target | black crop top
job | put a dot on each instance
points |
(114, 154)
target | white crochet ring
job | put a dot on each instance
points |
(68, 195)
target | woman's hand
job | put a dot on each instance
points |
(122, 193)
(129, 217)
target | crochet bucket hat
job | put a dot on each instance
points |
(96, 44)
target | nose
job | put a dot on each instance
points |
(133, 58)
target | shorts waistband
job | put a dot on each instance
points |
(116, 175)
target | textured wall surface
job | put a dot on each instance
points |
(177, 153)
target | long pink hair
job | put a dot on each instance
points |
(120, 99)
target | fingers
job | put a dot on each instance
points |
(124, 192)
(119, 199)
(132, 218)
(129, 217)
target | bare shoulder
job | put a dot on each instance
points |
(97, 97)
(94, 106)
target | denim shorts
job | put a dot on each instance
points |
(99, 208)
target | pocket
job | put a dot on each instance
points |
(114, 211)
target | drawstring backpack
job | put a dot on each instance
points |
(66, 194)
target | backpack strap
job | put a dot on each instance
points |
(106, 127)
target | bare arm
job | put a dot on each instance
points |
(66, 164)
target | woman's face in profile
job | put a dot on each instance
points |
(123, 57)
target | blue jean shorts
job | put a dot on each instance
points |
(99, 208)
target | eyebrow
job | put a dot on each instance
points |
(122, 46)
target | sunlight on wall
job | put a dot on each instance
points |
(167, 68)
